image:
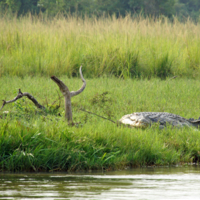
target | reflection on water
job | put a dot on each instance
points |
(146, 183)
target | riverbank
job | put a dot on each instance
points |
(35, 140)
(138, 183)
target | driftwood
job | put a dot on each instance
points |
(63, 88)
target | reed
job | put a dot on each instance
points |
(122, 47)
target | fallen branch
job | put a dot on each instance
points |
(65, 91)
(19, 96)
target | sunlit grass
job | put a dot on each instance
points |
(34, 48)
(121, 47)
(33, 140)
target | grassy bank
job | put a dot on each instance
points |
(33, 140)
(108, 46)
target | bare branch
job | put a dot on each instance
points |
(83, 86)
(20, 95)
(33, 100)
(4, 103)
(97, 115)
(64, 89)
(67, 94)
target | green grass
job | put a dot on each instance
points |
(123, 47)
(34, 48)
(34, 140)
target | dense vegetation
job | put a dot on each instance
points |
(122, 60)
(169, 8)
(124, 47)
(34, 140)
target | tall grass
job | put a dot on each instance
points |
(34, 140)
(123, 47)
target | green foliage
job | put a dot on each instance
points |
(14, 5)
(148, 8)
(153, 7)
(117, 7)
(33, 140)
(102, 103)
(188, 8)
(102, 7)
(19, 7)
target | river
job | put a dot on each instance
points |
(140, 183)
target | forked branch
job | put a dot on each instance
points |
(72, 93)
(67, 94)
(63, 88)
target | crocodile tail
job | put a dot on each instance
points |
(196, 122)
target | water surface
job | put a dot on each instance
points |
(144, 183)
